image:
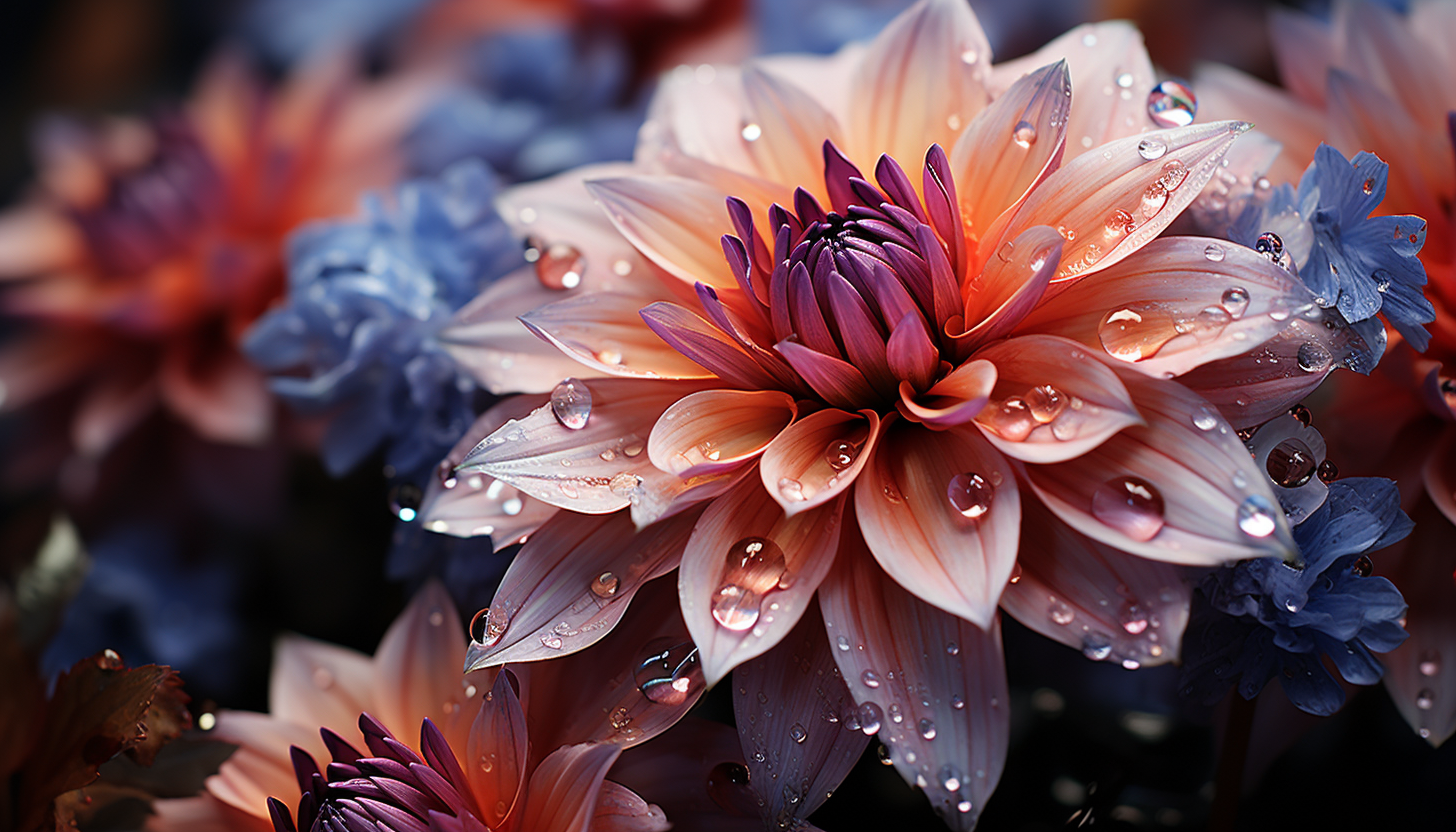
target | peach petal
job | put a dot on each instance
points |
(1111, 202)
(954, 400)
(322, 685)
(921, 81)
(603, 331)
(415, 673)
(35, 240)
(1010, 285)
(1175, 304)
(716, 430)
(497, 738)
(1013, 144)
(1439, 474)
(594, 469)
(1304, 50)
(789, 126)
(699, 118)
(674, 221)
(910, 353)
(224, 400)
(260, 768)
(941, 513)
(562, 796)
(1228, 93)
(1111, 605)
(1069, 402)
(816, 458)
(1205, 479)
(936, 683)
(762, 604)
(203, 814)
(572, 583)
(780, 701)
(1424, 667)
(1378, 47)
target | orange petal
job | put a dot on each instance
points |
(603, 331)
(716, 430)
(784, 129)
(571, 583)
(1110, 605)
(416, 665)
(675, 222)
(495, 754)
(935, 683)
(780, 701)
(749, 572)
(941, 513)
(260, 768)
(1010, 285)
(1423, 669)
(563, 793)
(1216, 505)
(322, 685)
(1052, 402)
(954, 400)
(816, 458)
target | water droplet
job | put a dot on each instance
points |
(1270, 245)
(1313, 357)
(728, 787)
(751, 132)
(799, 732)
(870, 678)
(1152, 148)
(571, 403)
(488, 625)
(1256, 516)
(963, 807)
(1134, 618)
(1171, 104)
(669, 672)
(1045, 402)
(1213, 252)
(1425, 699)
(755, 567)
(1096, 646)
(927, 729)
(791, 489)
(605, 585)
(1119, 222)
(560, 267)
(1210, 321)
(1368, 186)
(1291, 463)
(404, 501)
(1024, 134)
(735, 608)
(1060, 614)
(1430, 663)
(1012, 419)
(840, 454)
(551, 641)
(624, 484)
(1205, 419)
(1327, 471)
(446, 472)
(952, 649)
(1235, 300)
(970, 494)
(1362, 567)
(1130, 505)
(869, 718)
(1123, 79)
(843, 643)
(1135, 332)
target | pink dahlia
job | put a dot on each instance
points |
(1363, 80)
(899, 400)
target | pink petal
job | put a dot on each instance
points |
(816, 458)
(1227, 93)
(37, 363)
(717, 430)
(1205, 479)
(788, 705)
(1439, 473)
(922, 79)
(604, 331)
(753, 569)
(1379, 48)
(707, 345)
(685, 771)
(1010, 285)
(1423, 669)
(1013, 144)
(320, 684)
(571, 583)
(495, 753)
(1085, 195)
(34, 240)
(219, 394)
(1052, 402)
(935, 683)
(416, 665)
(562, 796)
(701, 118)
(791, 128)
(1175, 304)
(663, 494)
(1304, 50)
(618, 809)
(837, 381)
(1110, 605)
(594, 469)
(954, 400)
(206, 813)
(645, 674)
(674, 221)
(941, 513)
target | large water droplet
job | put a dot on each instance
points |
(1134, 618)
(1135, 332)
(970, 494)
(1291, 463)
(1235, 300)
(1024, 134)
(791, 489)
(605, 585)
(669, 672)
(1209, 322)
(571, 404)
(927, 729)
(755, 567)
(1152, 148)
(1171, 104)
(560, 267)
(625, 484)
(870, 717)
(870, 678)
(1045, 402)
(1313, 357)
(1362, 567)
(1205, 419)
(1270, 245)
(1130, 505)
(1256, 516)
(1155, 196)
(840, 454)
(488, 625)
(1012, 419)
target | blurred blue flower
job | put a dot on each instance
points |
(286, 31)
(356, 336)
(822, 26)
(1259, 619)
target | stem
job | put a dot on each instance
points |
(1229, 780)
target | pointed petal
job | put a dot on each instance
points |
(1205, 479)
(839, 382)
(1089, 596)
(1010, 285)
(910, 353)
(1013, 144)
(760, 594)
(224, 400)
(675, 222)
(706, 345)
(605, 332)
(791, 128)
(495, 753)
(954, 400)
(787, 704)
(941, 513)
(1423, 669)
(716, 430)
(1227, 93)
(922, 79)
(260, 766)
(35, 240)
(816, 458)
(572, 582)
(1112, 202)
(935, 683)
(563, 793)
(415, 666)
(320, 684)
(1052, 402)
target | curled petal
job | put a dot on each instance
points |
(1420, 674)
(562, 796)
(954, 400)
(716, 430)
(676, 222)
(1110, 605)
(408, 682)
(1052, 402)
(1177, 303)
(816, 458)
(604, 331)
(1013, 144)
(1181, 488)
(498, 737)
(934, 683)
(788, 704)
(749, 572)
(941, 513)
(571, 584)
(1010, 285)
(839, 382)
(707, 346)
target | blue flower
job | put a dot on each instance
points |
(1260, 619)
(287, 30)
(356, 336)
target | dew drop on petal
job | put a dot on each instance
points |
(1152, 148)
(551, 641)
(669, 672)
(1235, 300)
(1205, 419)
(870, 678)
(1313, 357)
(1171, 104)
(1130, 505)
(735, 607)
(755, 567)
(1291, 463)
(1368, 186)
(1425, 699)
(488, 625)
(1024, 134)
(1123, 79)
(927, 729)
(571, 404)
(870, 717)
(1119, 222)
(624, 484)
(1134, 618)
(1430, 663)
(1362, 567)
(560, 267)
(896, 716)
(1327, 471)
(1096, 646)
(1214, 252)
(751, 132)
(840, 454)
(1256, 516)
(1154, 198)
(970, 494)
(605, 585)
(1135, 332)
(798, 732)
(404, 501)
(1012, 419)
(1270, 245)
(1045, 402)
(1060, 614)
(1210, 321)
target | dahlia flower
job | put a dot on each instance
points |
(894, 375)
(1363, 81)
(486, 756)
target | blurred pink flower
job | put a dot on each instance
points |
(960, 379)
(1372, 79)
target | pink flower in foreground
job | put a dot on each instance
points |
(497, 761)
(957, 379)
(1364, 80)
